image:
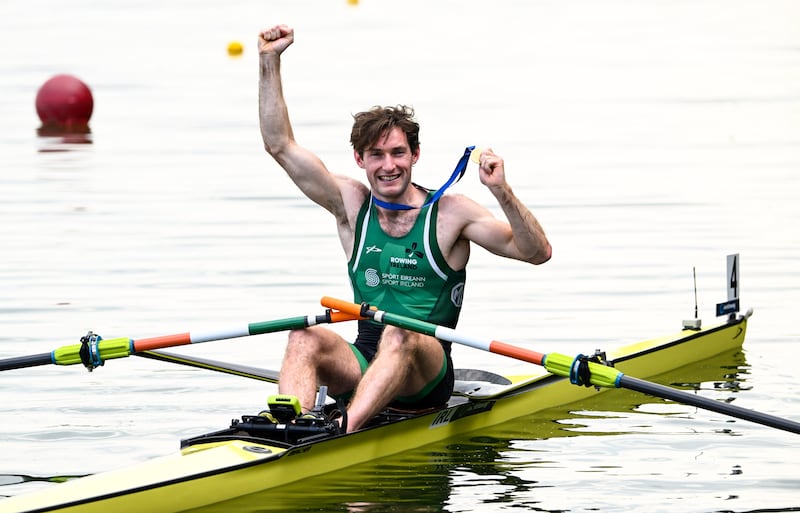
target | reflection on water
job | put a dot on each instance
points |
(57, 139)
(420, 480)
(17, 479)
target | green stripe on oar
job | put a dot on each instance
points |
(93, 351)
(579, 370)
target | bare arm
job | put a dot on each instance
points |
(522, 238)
(303, 167)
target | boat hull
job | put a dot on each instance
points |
(226, 466)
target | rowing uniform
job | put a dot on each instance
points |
(409, 276)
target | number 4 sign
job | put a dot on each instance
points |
(732, 304)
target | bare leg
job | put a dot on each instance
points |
(405, 363)
(317, 356)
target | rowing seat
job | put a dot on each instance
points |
(471, 382)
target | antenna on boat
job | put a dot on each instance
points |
(694, 277)
(693, 324)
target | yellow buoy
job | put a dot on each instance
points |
(235, 48)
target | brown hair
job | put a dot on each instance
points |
(371, 125)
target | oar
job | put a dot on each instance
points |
(93, 351)
(580, 370)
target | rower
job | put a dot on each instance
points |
(406, 247)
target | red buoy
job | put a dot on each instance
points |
(64, 102)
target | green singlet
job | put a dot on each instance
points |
(405, 275)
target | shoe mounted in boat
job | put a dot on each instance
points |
(283, 408)
(285, 420)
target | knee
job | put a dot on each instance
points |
(304, 341)
(399, 340)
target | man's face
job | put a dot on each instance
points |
(388, 165)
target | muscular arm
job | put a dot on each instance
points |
(303, 167)
(522, 238)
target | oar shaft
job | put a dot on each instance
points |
(20, 362)
(562, 365)
(256, 328)
(100, 350)
(680, 396)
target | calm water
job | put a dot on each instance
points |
(650, 138)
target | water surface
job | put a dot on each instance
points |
(651, 139)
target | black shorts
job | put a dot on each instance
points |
(436, 393)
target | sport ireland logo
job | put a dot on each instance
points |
(372, 277)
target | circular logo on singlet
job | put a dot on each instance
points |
(371, 275)
(457, 294)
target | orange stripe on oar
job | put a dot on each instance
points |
(520, 353)
(148, 344)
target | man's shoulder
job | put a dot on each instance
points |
(354, 192)
(457, 211)
(456, 203)
(354, 195)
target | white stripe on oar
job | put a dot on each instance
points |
(452, 335)
(208, 336)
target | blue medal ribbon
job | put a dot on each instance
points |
(458, 172)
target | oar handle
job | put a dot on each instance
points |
(339, 316)
(344, 307)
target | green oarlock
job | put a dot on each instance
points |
(604, 376)
(601, 375)
(558, 364)
(108, 349)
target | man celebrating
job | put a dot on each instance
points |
(407, 251)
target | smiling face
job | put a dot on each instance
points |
(388, 164)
